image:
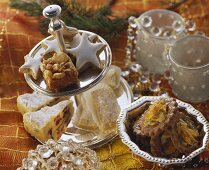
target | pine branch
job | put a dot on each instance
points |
(32, 8)
(73, 14)
(176, 5)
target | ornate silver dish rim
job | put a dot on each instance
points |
(127, 141)
(87, 83)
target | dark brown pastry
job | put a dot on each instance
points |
(161, 142)
(185, 134)
(155, 119)
(58, 71)
(162, 145)
(164, 129)
(134, 114)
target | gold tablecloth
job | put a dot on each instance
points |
(19, 33)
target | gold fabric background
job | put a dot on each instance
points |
(19, 33)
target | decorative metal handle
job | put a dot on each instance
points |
(56, 25)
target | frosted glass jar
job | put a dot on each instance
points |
(156, 30)
(189, 68)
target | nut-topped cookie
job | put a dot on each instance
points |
(58, 71)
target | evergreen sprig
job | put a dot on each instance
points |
(100, 21)
(32, 8)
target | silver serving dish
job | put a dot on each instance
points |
(87, 78)
(126, 139)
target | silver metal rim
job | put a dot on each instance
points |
(126, 139)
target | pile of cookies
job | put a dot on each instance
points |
(61, 69)
(164, 130)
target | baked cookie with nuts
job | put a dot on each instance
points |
(58, 71)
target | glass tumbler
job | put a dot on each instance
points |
(189, 68)
(156, 30)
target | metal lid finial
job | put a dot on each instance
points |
(56, 25)
(52, 11)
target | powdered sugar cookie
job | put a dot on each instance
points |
(77, 39)
(86, 52)
(50, 45)
(31, 66)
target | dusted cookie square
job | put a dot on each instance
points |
(58, 71)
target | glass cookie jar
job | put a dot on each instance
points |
(156, 30)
